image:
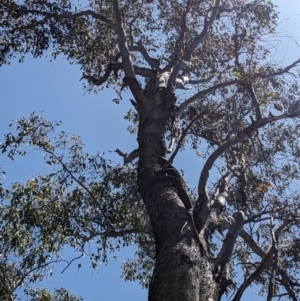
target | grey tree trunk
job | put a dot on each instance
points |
(181, 271)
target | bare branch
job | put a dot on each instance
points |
(203, 93)
(257, 250)
(277, 73)
(255, 217)
(99, 81)
(272, 282)
(71, 261)
(207, 25)
(30, 271)
(154, 63)
(254, 101)
(183, 135)
(185, 132)
(248, 281)
(128, 68)
(286, 282)
(115, 67)
(226, 251)
(196, 42)
(252, 244)
(207, 91)
(128, 158)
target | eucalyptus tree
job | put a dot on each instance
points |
(202, 74)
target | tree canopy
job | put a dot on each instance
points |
(202, 74)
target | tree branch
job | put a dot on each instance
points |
(221, 264)
(272, 281)
(128, 158)
(202, 207)
(183, 135)
(72, 16)
(128, 68)
(277, 73)
(183, 28)
(207, 91)
(154, 63)
(198, 40)
(115, 67)
(231, 142)
(254, 101)
(99, 81)
(286, 282)
(36, 268)
(232, 82)
(266, 257)
(254, 217)
(226, 251)
(257, 250)
(248, 281)
(71, 261)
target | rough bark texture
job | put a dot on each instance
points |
(178, 252)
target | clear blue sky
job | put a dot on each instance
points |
(54, 88)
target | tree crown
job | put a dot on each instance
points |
(225, 96)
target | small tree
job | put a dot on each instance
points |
(238, 111)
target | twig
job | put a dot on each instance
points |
(70, 262)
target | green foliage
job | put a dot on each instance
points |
(43, 295)
(84, 198)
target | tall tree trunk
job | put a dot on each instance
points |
(181, 272)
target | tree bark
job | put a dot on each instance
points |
(180, 273)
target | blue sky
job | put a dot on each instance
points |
(54, 88)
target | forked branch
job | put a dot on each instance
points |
(128, 68)
(208, 21)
